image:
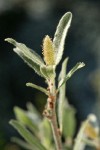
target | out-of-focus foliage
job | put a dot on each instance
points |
(37, 130)
(41, 137)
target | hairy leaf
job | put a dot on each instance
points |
(70, 73)
(37, 87)
(48, 72)
(62, 93)
(60, 35)
(28, 55)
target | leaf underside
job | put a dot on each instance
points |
(28, 55)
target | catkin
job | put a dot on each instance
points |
(48, 51)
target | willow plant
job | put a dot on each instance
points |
(58, 116)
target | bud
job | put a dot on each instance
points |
(48, 51)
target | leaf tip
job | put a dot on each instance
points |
(10, 40)
(28, 84)
(11, 122)
(66, 60)
(81, 64)
(15, 108)
(68, 17)
(69, 14)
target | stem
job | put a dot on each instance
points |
(50, 114)
(56, 134)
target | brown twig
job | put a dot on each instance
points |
(50, 113)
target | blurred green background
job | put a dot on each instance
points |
(28, 21)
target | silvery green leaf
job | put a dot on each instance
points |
(29, 62)
(46, 133)
(63, 71)
(28, 55)
(32, 110)
(23, 117)
(62, 93)
(69, 121)
(48, 72)
(37, 87)
(70, 73)
(26, 51)
(60, 35)
(21, 143)
(32, 140)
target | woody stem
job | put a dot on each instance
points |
(50, 113)
(56, 134)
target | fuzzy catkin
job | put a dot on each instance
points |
(48, 51)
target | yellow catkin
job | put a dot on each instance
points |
(90, 132)
(48, 51)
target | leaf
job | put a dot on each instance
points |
(66, 113)
(63, 69)
(27, 51)
(46, 133)
(37, 87)
(69, 121)
(48, 72)
(27, 135)
(70, 73)
(33, 114)
(32, 110)
(62, 93)
(21, 143)
(60, 35)
(23, 117)
(29, 62)
(28, 55)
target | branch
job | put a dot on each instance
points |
(50, 114)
